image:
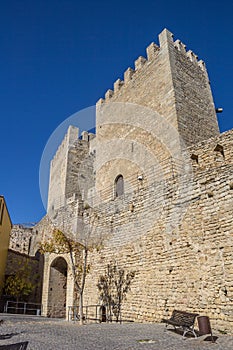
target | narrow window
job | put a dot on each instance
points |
(219, 153)
(119, 186)
(194, 158)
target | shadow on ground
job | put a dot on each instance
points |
(190, 335)
(7, 336)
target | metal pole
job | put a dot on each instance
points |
(24, 308)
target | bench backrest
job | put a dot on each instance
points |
(184, 317)
(16, 346)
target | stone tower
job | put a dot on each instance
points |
(173, 83)
(162, 107)
(65, 168)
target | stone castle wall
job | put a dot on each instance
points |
(173, 225)
(186, 267)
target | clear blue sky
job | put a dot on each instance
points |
(58, 57)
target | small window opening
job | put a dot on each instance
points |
(210, 194)
(119, 186)
(219, 153)
(194, 158)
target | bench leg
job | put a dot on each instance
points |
(186, 330)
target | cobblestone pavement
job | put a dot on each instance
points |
(55, 334)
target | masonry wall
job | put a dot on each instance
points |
(181, 262)
(41, 232)
(20, 238)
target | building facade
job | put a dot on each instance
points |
(5, 230)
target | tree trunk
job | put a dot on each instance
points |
(81, 308)
(85, 252)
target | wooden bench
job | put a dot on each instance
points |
(182, 319)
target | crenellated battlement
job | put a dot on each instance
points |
(139, 62)
(128, 75)
(166, 68)
(118, 84)
(189, 54)
(152, 52)
(180, 46)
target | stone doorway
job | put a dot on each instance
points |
(57, 288)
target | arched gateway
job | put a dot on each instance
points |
(57, 288)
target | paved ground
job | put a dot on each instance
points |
(54, 334)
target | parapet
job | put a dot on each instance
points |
(139, 63)
(152, 51)
(189, 54)
(87, 136)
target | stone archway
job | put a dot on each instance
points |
(57, 288)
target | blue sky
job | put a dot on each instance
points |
(58, 57)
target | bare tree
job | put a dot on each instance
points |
(113, 287)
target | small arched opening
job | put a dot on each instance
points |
(57, 288)
(119, 186)
(219, 153)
